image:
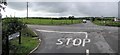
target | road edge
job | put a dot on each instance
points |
(35, 47)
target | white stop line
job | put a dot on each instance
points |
(62, 32)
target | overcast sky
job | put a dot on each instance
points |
(58, 9)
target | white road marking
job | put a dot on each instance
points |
(86, 36)
(60, 42)
(63, 32)
(85, 42)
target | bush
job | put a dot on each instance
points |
(28, 43)
(10, 26)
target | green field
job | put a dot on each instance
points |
(50, 21)
(107, 22)
(28, 43)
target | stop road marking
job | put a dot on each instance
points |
(75, 42)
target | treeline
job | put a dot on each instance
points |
(61, 18)
(104, 19)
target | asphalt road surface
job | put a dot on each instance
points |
(77, 38)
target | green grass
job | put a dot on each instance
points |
(28, 43)
(50, 21)
(107, 23)
(29, 32)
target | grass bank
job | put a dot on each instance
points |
(28, 43)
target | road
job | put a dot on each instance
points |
(102, 39)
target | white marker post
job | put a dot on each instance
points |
(87, 52)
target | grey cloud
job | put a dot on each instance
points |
(99, 8)
(55, 7)
(71, 8)
(63, 8)
(17, 5)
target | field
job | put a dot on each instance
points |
(50, 21)
(107, 22)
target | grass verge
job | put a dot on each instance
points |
(107, 23)
(28, 43)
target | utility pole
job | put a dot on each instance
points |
(14, 14)
(27, 10)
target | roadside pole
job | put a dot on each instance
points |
(51, 21)
(66, 20)
(71, 21)
(40, 20)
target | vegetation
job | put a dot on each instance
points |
(11, 26)
(106, 22)
(50, 21)
(28, 43)
(3, 3)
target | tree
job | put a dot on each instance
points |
(93, 19)
(1, 5)
(71, 17)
